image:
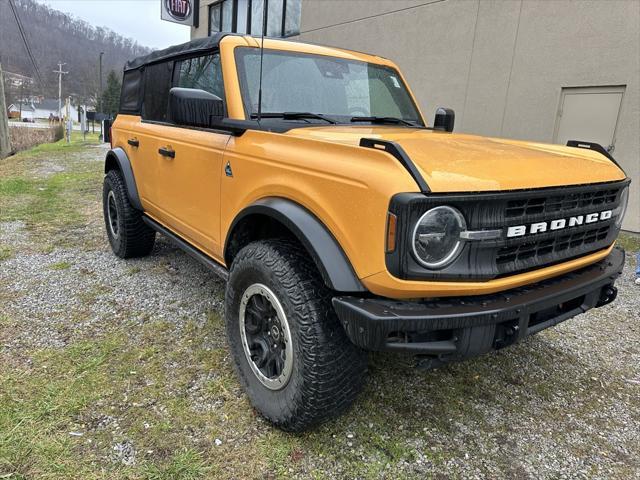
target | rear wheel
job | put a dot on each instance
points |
(292, 355)
(128, 235)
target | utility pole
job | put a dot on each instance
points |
(100, 96)
(5, 145)
(60, 73)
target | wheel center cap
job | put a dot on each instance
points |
(275, 332)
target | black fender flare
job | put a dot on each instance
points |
(117, 156)
(333, 264)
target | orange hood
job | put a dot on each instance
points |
(464, 163)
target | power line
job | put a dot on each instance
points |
(26, 43)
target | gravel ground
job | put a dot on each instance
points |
(562, 404)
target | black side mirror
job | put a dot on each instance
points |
(106, 130)
(194, 107)
(445, 118)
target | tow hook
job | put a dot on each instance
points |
(607, 295)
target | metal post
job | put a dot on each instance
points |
(68, 119)
(21, 94)
(83, 121)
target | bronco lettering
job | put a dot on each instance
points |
(559, 224)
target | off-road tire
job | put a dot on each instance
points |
(328, 370)
(132, 238)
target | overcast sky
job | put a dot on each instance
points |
(138, 19)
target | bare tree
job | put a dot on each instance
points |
(54, 36)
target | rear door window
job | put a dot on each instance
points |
(130, 96)
(157, 83)
(204, 73)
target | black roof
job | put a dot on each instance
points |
(199, 45)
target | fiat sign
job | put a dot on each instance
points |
(184, 12)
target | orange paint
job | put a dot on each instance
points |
(346, 186)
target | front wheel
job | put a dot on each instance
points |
(291, 354)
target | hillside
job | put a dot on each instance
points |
(55, 36)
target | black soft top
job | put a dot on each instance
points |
(199, 45)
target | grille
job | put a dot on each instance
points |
(559, 204)
(540, 250)
(485, 260)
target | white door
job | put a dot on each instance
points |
(589, 114)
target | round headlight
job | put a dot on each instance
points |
(622, 206)
(436, 237)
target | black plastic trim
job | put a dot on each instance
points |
(194, 252)
(398, 152)
(333, 264)
(369, 322)
(596, 147)
(124, 165)
(238, 127)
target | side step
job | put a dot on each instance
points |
(202, 257)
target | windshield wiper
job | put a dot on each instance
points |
(295, 116)
(395, 120)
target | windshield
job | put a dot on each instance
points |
(333, 87)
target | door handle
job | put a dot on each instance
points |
(167, 152)
(134, 142)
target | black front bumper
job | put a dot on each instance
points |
(448, 329)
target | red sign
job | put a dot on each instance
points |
(178, 9)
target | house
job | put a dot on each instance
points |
(41, 110)
(49, 106)
(27, 111)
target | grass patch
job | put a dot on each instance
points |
(50, 188)
(60, 266)
(77, 143)
(62, 416)
(53, 199)
(5, 252)
(630, 243)
(184, 465)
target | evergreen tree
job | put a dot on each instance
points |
(111, 95)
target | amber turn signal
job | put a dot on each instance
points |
(392, 222)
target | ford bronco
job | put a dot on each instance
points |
(309, 180)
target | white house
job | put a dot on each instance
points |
(27, 111)
(41, 110)
(49, 106)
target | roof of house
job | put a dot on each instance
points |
(47, 104)
(25, 107)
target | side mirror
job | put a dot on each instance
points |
(445, 118)
(106, 130)
(194, 107)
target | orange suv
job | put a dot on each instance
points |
(308, 178)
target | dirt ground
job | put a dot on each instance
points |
(120, 369)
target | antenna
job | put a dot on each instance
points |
(265, 6)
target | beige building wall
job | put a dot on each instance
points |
(203, 20)
(500, 64)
